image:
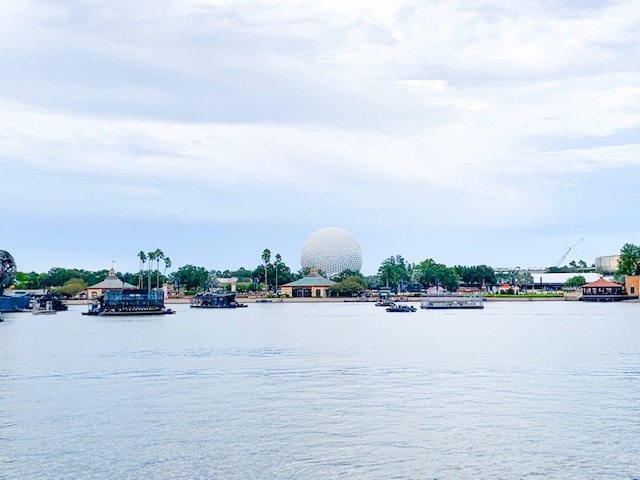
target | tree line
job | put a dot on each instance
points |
(394, 273)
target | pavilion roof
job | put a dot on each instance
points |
(112, 282)
(602, 283)
(311, 280)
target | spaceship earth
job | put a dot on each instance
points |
(332, 250)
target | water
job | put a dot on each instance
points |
(280, 391)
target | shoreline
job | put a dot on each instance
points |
(186, 301)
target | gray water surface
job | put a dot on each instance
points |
(320, 391)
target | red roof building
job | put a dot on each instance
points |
(602, 290)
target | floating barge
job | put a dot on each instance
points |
(452, 301)
(215, 300)
(129, 302)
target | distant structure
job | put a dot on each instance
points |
(112, 282)
(602, 290)
(331, 250)
(608, 264)
(313, 285)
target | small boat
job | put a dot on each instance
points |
(385, 303)
(402, 308)
(43, 306)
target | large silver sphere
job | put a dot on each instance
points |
(332, 250)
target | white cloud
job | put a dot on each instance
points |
(367, 105)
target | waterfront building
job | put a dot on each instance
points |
(603, 290)
(632, 286)
(313, 285)
(112, 282)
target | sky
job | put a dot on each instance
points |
(498, 133)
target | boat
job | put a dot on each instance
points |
(47, 304)
(401, 308)
(129, 302)
(43, 306)
(452, 301)
(215, 300)
(385, 303)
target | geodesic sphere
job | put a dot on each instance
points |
(332, 250)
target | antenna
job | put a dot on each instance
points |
(567, 252)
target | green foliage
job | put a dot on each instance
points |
(191, 277)
(516, 277)
(429, 273)
(476, 275)
(629, 260)
(575, 282)
(29, 281)
(346, 274)
(71, 287)
(372, 281)
(273, 272)
(392, 270)
(351, 286)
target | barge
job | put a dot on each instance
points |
(129, 302)
(452, 301)
(215, 300)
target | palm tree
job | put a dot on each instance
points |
(277, 264)
(167, 264)
(152, 257)
(143, 258)
(266, 258)
(159, 255)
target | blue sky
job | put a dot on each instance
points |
(212, 129)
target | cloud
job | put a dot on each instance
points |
(307, 112)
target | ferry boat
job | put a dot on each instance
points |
(128, 302)
(452, 301)
(215, 300)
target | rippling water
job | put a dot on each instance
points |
(279, 391)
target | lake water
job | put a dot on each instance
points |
(321, 391)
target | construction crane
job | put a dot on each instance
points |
(567, 252)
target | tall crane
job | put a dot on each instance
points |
(567, 252)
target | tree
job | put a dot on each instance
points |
(629, 260)
(430, 273)
(342, 276)
(277, 266)
(351, 286)
(192, 277)
(393, 270)
(151, 256)
(167, 264)
(159, 255)
(143, 258)
(476, 275)
(266, 259)
(73, 286)
(575, 282)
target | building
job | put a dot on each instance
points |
(331, 250)
(313, 285)
(112, 282)
(603, 290)
(555, 281)
(632, 286)
(607, 264)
